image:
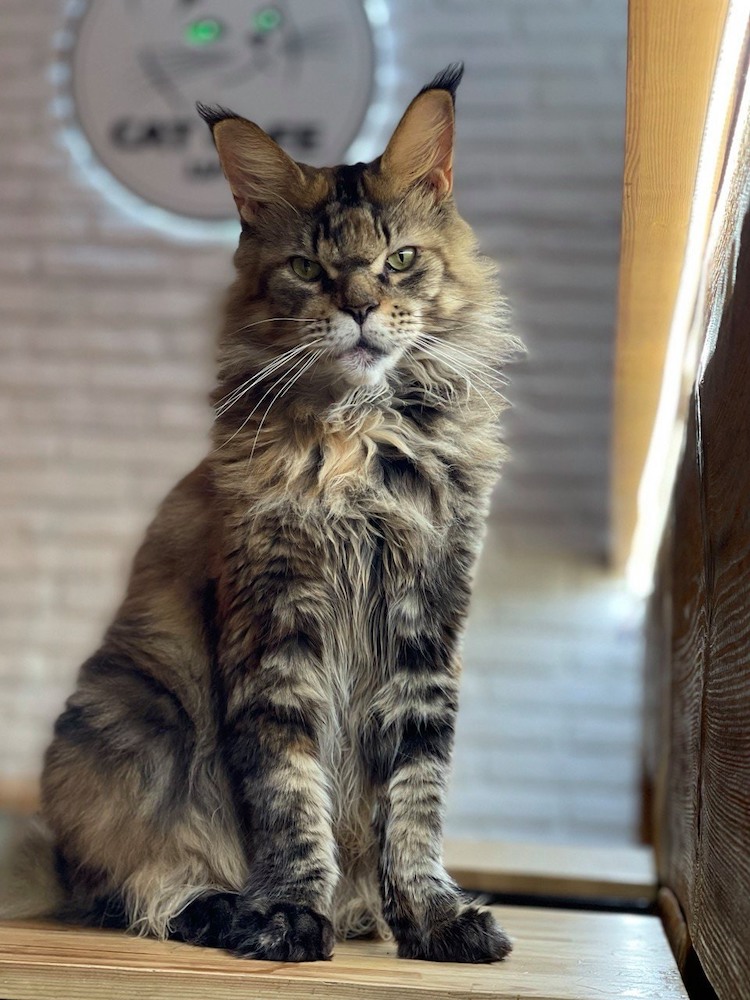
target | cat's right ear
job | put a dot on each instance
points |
(258, 170)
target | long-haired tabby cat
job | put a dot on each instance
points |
(256, 757)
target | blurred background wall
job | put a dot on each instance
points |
(105, 363)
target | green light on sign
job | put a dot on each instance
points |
(267, 19)
(203, 32)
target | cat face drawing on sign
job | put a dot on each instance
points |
(186, 45)
(139, 66)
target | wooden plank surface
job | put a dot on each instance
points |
(672, 52)
(625, 873)
(559, 955)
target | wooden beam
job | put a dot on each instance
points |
(673, 47)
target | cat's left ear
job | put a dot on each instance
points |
(421, 149)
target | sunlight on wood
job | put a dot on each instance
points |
(559, 955)
(673, 47)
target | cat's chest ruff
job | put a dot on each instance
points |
(384, 470)
(372, 452)
(355, 475)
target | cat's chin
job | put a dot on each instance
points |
(361, 366)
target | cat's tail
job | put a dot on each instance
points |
(29, 882)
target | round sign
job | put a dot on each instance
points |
(303, 71)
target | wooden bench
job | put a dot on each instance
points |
(559, 955)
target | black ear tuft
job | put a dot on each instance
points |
(448, 79)
(213, 115)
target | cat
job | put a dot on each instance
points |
(256, 758)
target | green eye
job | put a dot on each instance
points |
(204, 31)
(308, 270)
(267, 19)
(402, 259)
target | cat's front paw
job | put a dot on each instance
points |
(282, 932)
(472, 935)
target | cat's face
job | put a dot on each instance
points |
(364, 277)
(190, 44)
(347, 271)
(360, 279)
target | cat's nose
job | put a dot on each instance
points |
(360, 312)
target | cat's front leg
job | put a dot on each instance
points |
(409, 749)
(271, 741)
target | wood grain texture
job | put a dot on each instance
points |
(701, 773)
(553, 870)
(559, 955)
(723, 856)
(675, 927)
(672, 51)
(682, 681)
(656, 695)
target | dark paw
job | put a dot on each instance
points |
(281, 932)
(471, 936)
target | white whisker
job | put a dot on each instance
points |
(295, 363)
(467, 359)
(298, 374)
(463, 372)
(465, 352)
(488, 378)
(278, 319)
(430, 389)
(471, 377)
(228, 401)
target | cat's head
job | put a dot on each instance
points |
(360, 267)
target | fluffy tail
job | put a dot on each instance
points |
(29, 884)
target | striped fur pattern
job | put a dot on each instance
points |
(256, 757)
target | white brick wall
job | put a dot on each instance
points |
(106, 326)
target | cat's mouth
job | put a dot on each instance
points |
(363, 354)
(363, 363)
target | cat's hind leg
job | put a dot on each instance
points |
(137, 802)
(143, 817)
